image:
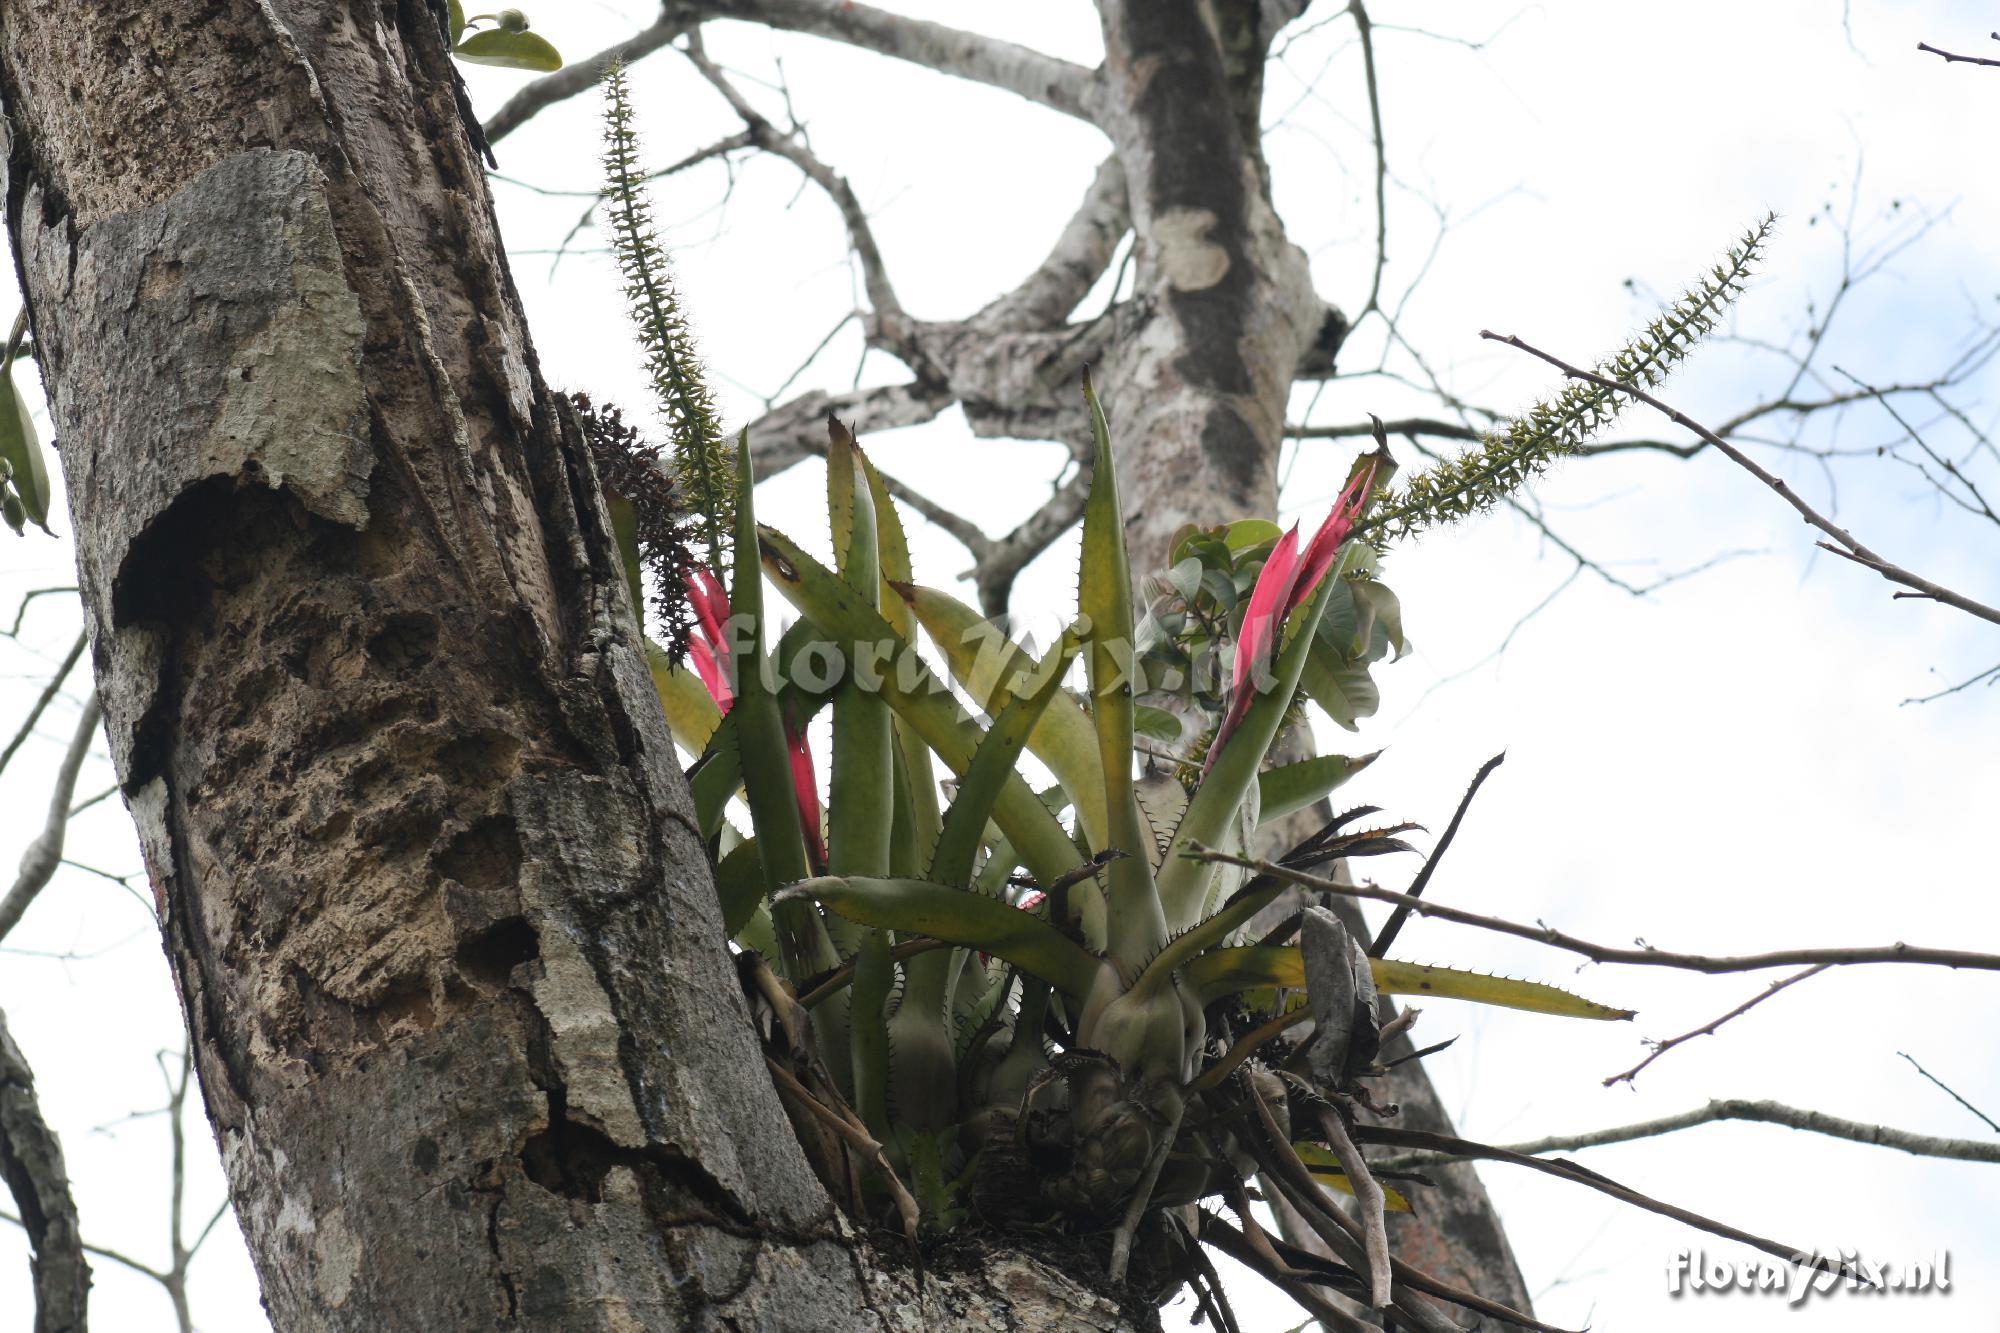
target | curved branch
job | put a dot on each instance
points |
(1046, 297)
(31, 1160)
(1056, 84)
(44, 854)
(579, 76)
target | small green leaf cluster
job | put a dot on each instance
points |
(702, 461)
(1196, 615)
(1505, 461)
(507, 44)
(24, 475)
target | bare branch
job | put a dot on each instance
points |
(1708, 1029)
(1763, 1112)
(887, 317)
(1364, 30)
(1081, 254)
(42, 701)
(31, 1161)
(1056, 84)
(1951, 57)
(1644, 956)
(1848, 547)
(795, 431)
(39, 862)
(580, 76)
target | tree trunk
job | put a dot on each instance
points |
(466, 1027)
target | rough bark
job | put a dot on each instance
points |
(466, 1028)
(31, 1165)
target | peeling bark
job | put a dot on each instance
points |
(465, 1024)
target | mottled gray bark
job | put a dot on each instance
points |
(466, 1028)
(31, 1167)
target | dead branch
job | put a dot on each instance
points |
(1644, 956)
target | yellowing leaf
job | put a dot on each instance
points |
(1325, 1168)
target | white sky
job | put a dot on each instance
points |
(1723, 766)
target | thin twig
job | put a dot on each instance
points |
(1708, 1029)
(42, 701)
(1364, 31)
(1953, 58)
(1761, 1112)
(1847, 544)
(1394, 925)
(1644, 956)
(1949, 1091)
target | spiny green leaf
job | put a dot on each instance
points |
(916, 695)
(988, 664)
(958, 844)
(1394, 978)
(1214, 807)
(765, 754)
(1226, 971)
(1137, 926)
(1296, 786)
(917, 907)
(861, 813)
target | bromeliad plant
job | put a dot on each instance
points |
(1023, 1005)
(1034, 1002)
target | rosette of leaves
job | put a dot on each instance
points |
(1021, 994)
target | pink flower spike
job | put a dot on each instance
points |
(711, 607)
(1332, 534)
(1268, 602)
(712, 674)
(806, 783)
